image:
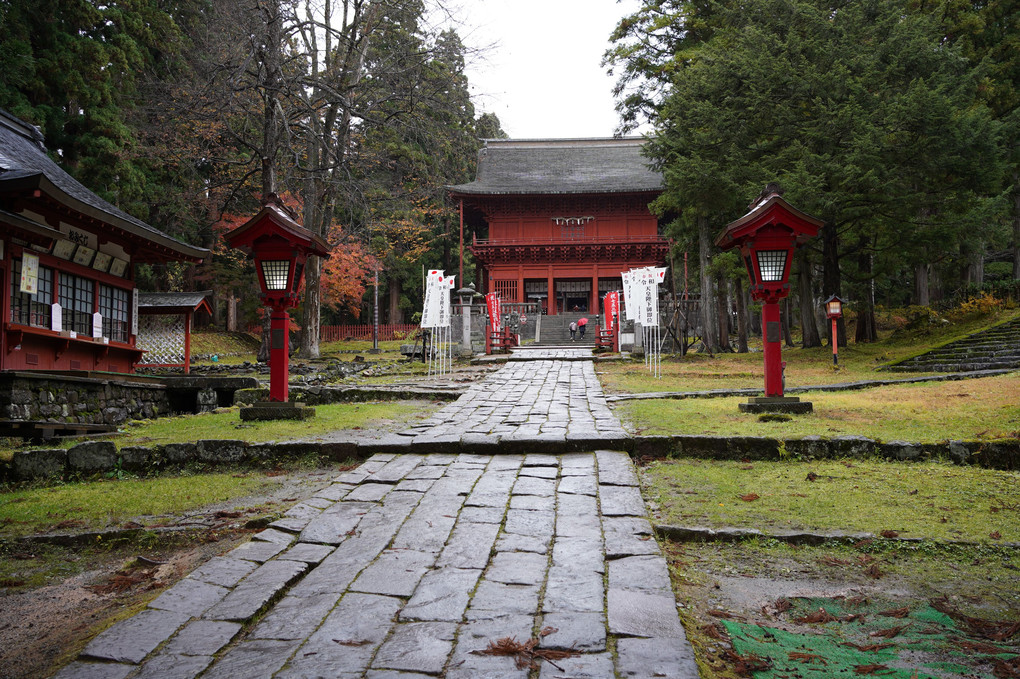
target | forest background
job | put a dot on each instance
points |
(894, 121)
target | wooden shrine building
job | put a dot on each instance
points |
(67, 261)
(561, 219)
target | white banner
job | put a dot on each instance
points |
(29, 273)
(436, 312)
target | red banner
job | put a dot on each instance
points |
(612, 306)
(495, 309)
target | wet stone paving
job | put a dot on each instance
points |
(411, 564)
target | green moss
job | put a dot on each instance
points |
(917, 500)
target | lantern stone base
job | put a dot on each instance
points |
(776, 404)
(277, 410)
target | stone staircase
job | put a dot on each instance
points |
(556, 330)
(997, 348)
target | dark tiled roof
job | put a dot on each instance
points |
(556, 166)
(24, 163)
(160, 300)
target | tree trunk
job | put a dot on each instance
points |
(866, 330)
(741, 316)
(922, 297)
(809, 329)
(1016, 227)
(263, 355)
(787, 322)
(396, 314)
(831, 280)
(708, 311)
(311, 320)
(723, 311)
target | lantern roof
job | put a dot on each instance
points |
(275, 220)
(771, 210)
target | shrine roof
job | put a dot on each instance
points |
(558, 166)
(172, 300)
(25, 166)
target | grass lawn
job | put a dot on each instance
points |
(102, 504)
(985, 408)
(918, 500)
(225, 423)
(804, 367)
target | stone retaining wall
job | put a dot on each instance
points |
(316, 395)
(102, 457)
(72, 399)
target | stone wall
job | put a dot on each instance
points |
(71, 399)
(101, 457)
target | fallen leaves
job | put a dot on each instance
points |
(525, 654)
(869, 669)
(750, 497)
(889, 632)
(989, 629)
(895, 612)
(819, 616)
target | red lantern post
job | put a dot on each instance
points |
(280, 247)
(833, 311)
(767, 237)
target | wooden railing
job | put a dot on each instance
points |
(337, 333)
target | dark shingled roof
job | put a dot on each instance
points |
(558, 166)
(24, 164)
(163, 300)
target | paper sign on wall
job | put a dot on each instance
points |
(29, 273)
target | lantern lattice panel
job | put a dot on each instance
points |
(163, 338)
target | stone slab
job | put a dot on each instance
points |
(255, 591)
(517, 568)
(294, 617)
(259, 658)
(94, 670)
(202, 637)
(442, 595)
(616, 468)
(256, 550)
(134, 638)
(621, 501)
(191, 597)
(568, 590)
(656, 657)
(643, 614)
(583, 631)
(469, 545)
(423, 646)
(336, 523)
(394, 573)
(587, 666)
(223, 571)
(345, 643)
(308, 552)
(170, 666)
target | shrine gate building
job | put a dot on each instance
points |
(562, 219)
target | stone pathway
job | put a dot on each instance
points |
(411, 564)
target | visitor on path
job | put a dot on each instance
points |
(581, 325)
(573, 330)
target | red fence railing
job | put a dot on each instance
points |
(390, 331)
(337, 333)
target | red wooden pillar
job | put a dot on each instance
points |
(278, 359)
(772, 333)
(593, 303)
(550, 292)
(187, 342)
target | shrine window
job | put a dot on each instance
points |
(506, 289)
(32, 309)
(76, 297)
(113, 305)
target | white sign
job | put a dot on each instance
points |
(30, 273)
(134, 312)
(56, 317)
(97, 325)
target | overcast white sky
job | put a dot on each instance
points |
(542, 74)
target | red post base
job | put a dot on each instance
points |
(773, 333)
(279, 359)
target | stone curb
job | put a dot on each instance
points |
(101, 457)
(314, 396)
(730, 534)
